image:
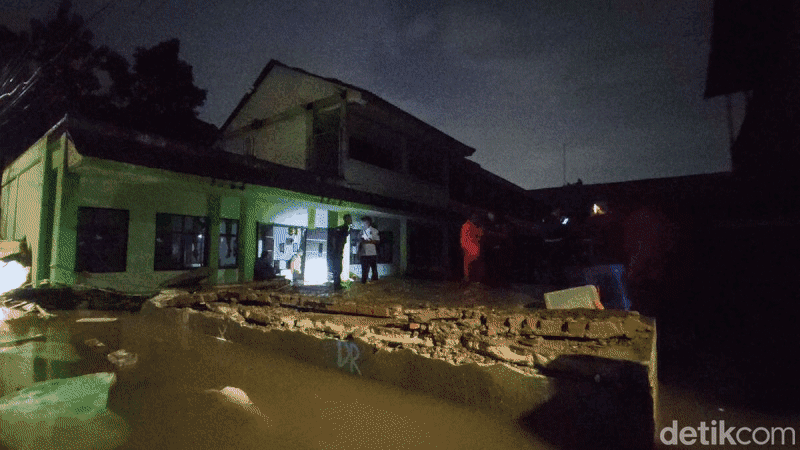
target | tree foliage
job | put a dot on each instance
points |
(163, 91)
(54, 69)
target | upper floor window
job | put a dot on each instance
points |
(181, 242)
(102, 240)
(249, 145)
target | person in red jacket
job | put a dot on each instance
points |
(471, 235)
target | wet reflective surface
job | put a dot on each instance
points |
(170, 398)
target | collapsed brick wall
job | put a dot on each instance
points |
(529, 341)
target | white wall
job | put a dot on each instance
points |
(284, 142)
(280, 90)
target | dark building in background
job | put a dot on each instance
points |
(755, 49)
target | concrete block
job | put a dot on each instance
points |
(578, 297)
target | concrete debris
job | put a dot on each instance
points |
(59, 297)
(96, 320)
(123, 359)
(237, 397)
(188, 279)
(11, 310)
(333, 328)
(578, 297)
(505, 353)
(304, 323)
(94, 343)
(529, 341)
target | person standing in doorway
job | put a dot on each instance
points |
(368, 252)
(337, 237)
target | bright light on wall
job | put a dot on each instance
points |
(12, 275)
(316, 271)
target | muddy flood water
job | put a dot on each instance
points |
(165, 400)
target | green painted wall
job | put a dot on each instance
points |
(22, 198)
(43, 190)
(143, 201)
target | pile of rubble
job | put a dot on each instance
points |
(528, 341)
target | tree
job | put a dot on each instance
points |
(55, 69)
(164, 98)
(46, 72)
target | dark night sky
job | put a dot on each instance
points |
(618, 89)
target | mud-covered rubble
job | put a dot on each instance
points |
(527, 341)
(60, 297)
(17, 309)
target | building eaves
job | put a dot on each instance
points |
(112, 143)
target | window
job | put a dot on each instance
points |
(102, 240)
(249, 145)
(228, 243)
(181, 242)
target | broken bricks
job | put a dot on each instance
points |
(526, 340)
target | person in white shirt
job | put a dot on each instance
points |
(368, 251)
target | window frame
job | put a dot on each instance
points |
(111, 234)
(182, 235)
